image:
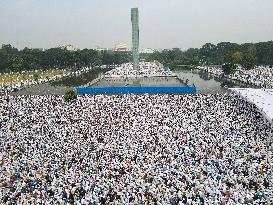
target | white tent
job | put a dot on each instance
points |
(262, 98)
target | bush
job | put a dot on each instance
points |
(36, 76)
(70, 95)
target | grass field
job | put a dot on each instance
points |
(8, 78)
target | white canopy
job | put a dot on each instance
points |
(262, 98)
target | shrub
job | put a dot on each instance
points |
(36, 76)
(70, 95)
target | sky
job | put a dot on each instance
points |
(163, 23)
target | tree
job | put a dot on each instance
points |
(9, 49)
(3, 61)
(264, 53)
(208, 52)
(248, 55)
(222, 49)
(237, 57)
(70, 95)
(229, 68)
(234, 57)
(248, 61)
(15, 63)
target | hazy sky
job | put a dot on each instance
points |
(163, 23)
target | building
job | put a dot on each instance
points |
(148, 50)
(103, 49)
(135, 37)
(121, 47)
(68, 47)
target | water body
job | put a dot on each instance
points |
(204, 82)
(140, 82)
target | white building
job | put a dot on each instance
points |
(103, 49)
(121, 47)
(148, 50)
(68, 47)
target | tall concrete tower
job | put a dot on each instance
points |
(135, 37)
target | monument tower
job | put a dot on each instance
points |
(135, 37)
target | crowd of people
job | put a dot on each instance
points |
(15, 85)
(134, 149)
(261, 76)
(148, 69)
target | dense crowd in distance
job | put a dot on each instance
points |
(134, 149)
(259, 76)
(15, 86)
(148, 69)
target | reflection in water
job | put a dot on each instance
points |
(83, 79)
(208, 83)
(205, 75)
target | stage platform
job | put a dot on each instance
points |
(106, 90)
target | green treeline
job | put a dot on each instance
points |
(228, 54)
(248, 55)
(12, 59)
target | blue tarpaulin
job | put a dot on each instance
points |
(94, 90)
